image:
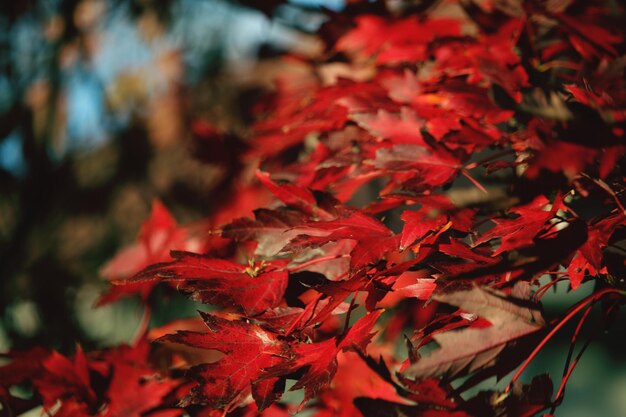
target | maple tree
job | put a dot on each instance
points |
(481, 132)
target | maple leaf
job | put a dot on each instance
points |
(105, 384)
(396, 41)
(599, 235)
(320, 358)
(521, 231)
(345, 387)
(469, 349)
(410, 284)
(294, 196)
(254, 287)
(521, 401)
(490, 59)
(386, 118)
(373, 239)
(425, 168)
(23, 366)
(576, 270)
(401, 129)
(247, 349)
(277, 135)
(472, 258)
(590, 257)
(240, 200)
(69, 381)
(546, 252)
(579, 28)
(271, 229)
(561, 156)
(157, 236)
(63, 384)
(419, 224)
(135, 388)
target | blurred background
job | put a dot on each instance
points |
(101, 106)
(98, 104)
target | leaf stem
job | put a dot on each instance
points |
(474, 181)
(573, 311)
(347, 323)
(567, 369)
(544, 289)
(575, 337)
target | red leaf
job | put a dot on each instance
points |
(271, 229)
(157, 236)
(135, 390)
(23, 366)
(254, 287)
(598, 237)
(417, 224)
(404, 40)
(521, 231)
(294, 196)
(320, 358)
(470, 349)
(67, 381)
(398, 129)
(426, 168)
(373, 239)
(354, 379)
(247, 349)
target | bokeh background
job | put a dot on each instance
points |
(98, 104)
(102, 105)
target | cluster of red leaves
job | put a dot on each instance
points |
(111, 383)
(380, 226)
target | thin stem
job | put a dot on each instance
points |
(574, 338)
(567, 370)
(347, 323)
(474, 181)
(544, 289)
(573, 311)
(561, 392)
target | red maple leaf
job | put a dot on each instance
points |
(157, 236)
(248, 349)
(522, 230)
(320, 358)
(254, 287)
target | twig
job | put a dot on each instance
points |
(347, 323)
